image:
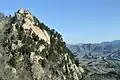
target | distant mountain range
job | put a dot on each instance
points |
(101, 60)
(107, 50)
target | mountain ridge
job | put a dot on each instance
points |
(100, 46)
(102, 61)
(30, 50)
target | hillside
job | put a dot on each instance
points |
(101, 60)
(30, 50)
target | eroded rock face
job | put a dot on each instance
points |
(29, 52)
(25, 20)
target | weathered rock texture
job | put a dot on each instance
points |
(29, 50)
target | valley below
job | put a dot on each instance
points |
(101, 60)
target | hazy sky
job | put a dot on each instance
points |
(79, 21)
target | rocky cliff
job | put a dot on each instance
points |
(29, 50)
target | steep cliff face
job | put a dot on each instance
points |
(25, 19)
(29, 50)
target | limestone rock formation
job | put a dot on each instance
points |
(29, 50)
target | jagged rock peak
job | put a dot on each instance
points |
(22, 11)
(23, 18)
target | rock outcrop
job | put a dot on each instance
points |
(29, 50)
(25, 18)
